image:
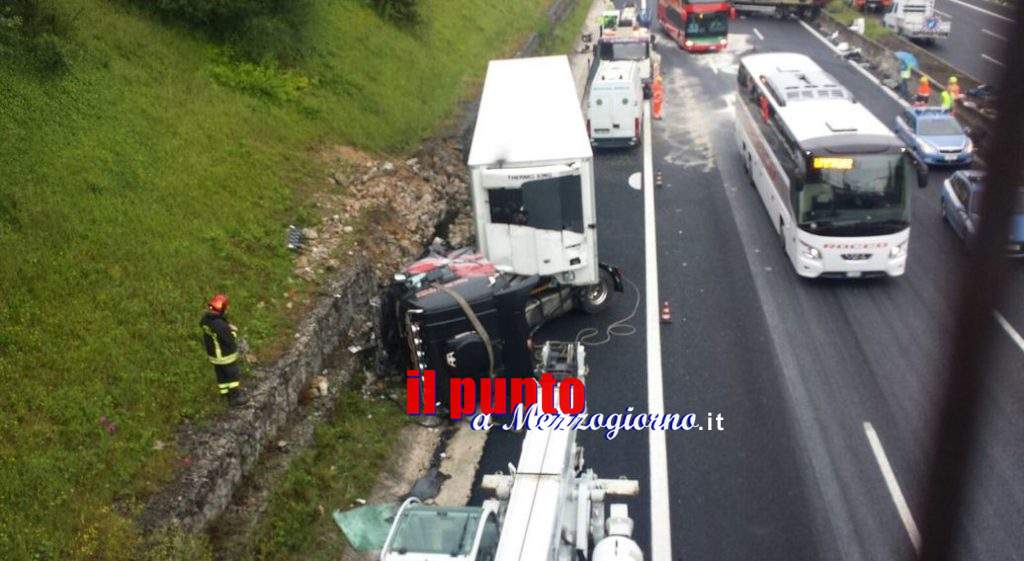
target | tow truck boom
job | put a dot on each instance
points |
(548, 508)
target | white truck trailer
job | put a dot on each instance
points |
(532, 175)
(916, 19)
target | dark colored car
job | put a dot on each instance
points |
(961, 208)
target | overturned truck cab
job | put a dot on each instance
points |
(471, 313)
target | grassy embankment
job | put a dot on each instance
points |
(153, 172)
(873, 28)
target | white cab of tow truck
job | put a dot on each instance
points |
(628, 43)
(423, 532)
(615, 107)
(532, 173)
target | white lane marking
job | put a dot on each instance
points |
(894, 487)
(996, 35)
(866, 74)
(758, 33)
(1010, 330)
(661, 538)
(943, 14)
(982, 10)
(992, 60)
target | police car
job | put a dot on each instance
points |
(935, 136)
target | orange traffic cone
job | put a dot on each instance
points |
(666, 313)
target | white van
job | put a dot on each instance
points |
(615, 104)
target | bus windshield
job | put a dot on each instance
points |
(855, 195)
(623, 50)
(707, 25)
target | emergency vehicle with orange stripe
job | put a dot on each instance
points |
(836, 182)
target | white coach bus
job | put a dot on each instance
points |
(836, 181)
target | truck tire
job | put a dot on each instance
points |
(594, 299)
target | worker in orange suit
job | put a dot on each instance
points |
(924, 91)
(658, 93)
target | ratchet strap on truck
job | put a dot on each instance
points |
(479, 327)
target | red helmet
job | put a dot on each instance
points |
(218, 304)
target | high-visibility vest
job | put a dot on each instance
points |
(924, 89)
(947, 100)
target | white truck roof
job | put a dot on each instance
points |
(616, 71)
(529, 112)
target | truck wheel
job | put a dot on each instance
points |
(594, 299)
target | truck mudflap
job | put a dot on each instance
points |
(616, 275)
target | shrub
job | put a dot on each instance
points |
(254, 29)
(401, 12)
(174, 545)
(222, 13)
(266, 79)
(30, 30)
(10, 29)
(49, 53)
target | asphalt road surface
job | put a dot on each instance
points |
(978, 37)
(828, 390)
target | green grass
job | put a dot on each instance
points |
(844, 14)
(563, 37)
(150, 175)
(343, 464)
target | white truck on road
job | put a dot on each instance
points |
(916, 19)
(615, 104)
(532, 175)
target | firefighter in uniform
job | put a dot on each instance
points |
(221, 342)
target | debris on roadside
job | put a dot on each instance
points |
(385, 211)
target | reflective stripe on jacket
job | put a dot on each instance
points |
(219, 339)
